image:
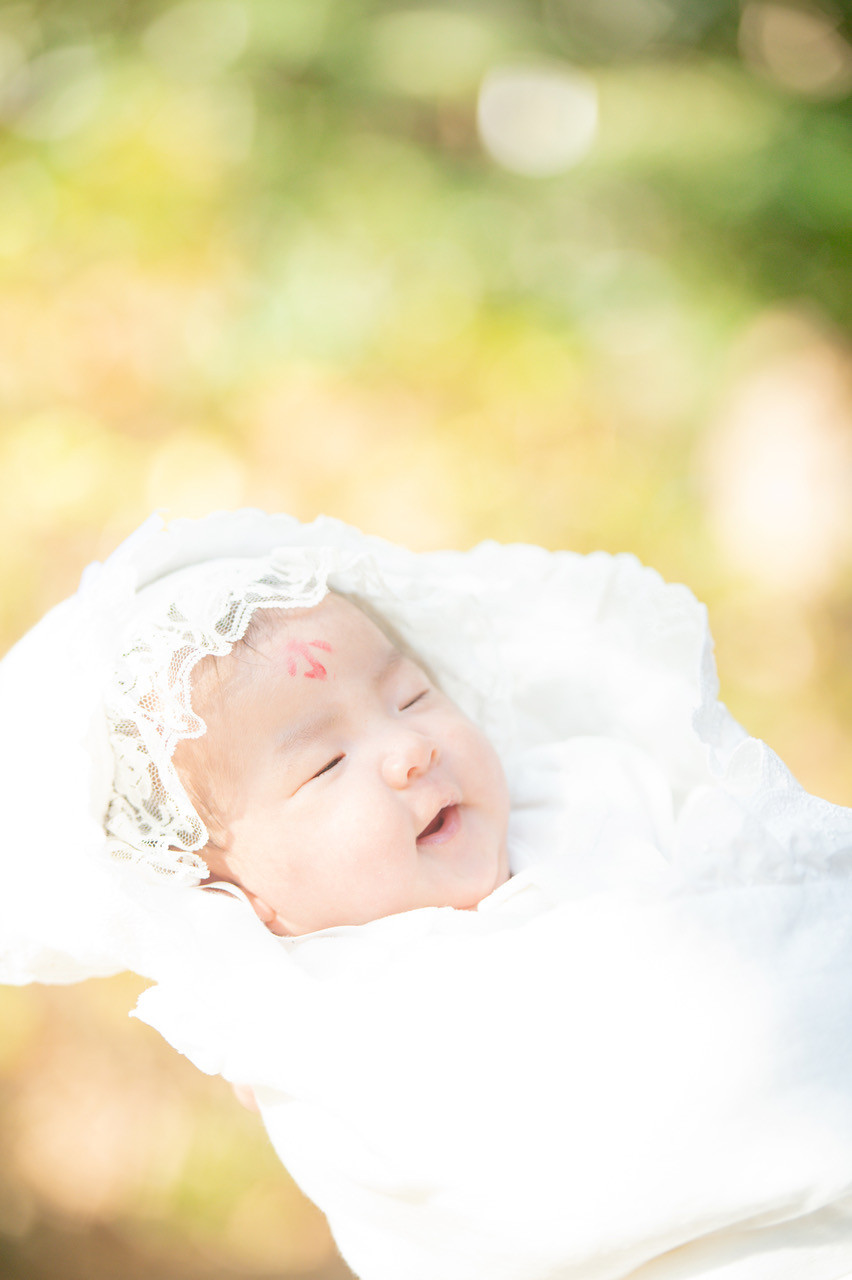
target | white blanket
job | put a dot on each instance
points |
(633, 1060)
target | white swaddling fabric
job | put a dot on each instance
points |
(633, 1060)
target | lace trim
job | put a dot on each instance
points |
(178, 621)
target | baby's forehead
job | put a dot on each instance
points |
(334, 612)
(334, 625)
(301, 645)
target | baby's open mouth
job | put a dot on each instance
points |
(442, 826)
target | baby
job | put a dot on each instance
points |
(633, 1059)
(271, 733)
(337, 782)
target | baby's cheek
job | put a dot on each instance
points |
(499, 781)
(483, 757)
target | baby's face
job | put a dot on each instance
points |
(348, 786)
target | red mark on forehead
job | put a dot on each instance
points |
(296, 649)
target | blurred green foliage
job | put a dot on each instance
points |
(576, 272)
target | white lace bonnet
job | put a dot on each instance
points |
(176, 622)
(95, 699)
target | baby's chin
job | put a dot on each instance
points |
(476, 888)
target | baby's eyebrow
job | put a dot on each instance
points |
(392, 660)
(302, 735)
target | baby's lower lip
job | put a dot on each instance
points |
(448, 828)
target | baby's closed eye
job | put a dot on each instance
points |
(417, 698)
(326, 768)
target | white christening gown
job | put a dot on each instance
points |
(634, 1060)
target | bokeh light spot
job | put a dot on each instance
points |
(778, 460)
(56, 94)
(12, 59)
(28, 204)
(294, 31)
(198, 39)
(426, 52)
(538, 121)
(800, 48)
(622, 26)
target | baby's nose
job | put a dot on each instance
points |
(407, 757)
